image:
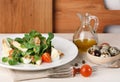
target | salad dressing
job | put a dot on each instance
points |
(84, 44)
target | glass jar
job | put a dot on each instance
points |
(85, 36)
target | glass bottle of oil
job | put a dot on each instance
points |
(85, 36)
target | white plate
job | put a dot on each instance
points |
(67, 47)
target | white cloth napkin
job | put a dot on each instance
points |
(5, 75)
(8, 75)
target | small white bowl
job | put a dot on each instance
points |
(101, 60)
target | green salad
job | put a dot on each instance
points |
(33, 48)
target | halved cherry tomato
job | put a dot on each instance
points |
(86, 70)
(46, 57)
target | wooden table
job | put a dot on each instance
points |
(102, 74)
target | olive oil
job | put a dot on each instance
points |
(85, 36)
(84, 44)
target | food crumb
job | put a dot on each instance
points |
(83, 62)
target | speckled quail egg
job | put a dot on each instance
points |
(104, 55)
(97, 53)
(113, 51)
(92, 49)
(103, 51)
(105, 47)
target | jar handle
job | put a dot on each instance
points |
(91, 17)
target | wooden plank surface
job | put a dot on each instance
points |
(67, 21)
(19, 16)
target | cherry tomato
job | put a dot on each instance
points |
(46, 57)
(86, 70)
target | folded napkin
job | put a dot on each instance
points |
(26, 75)
(5, 75)
(8, 75)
